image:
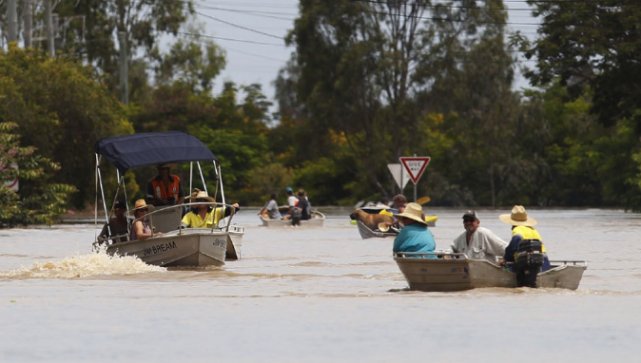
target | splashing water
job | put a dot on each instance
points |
(87, 265)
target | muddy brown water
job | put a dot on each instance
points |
(316, 295)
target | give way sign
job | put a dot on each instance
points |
(415, 165)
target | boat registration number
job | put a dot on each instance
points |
(220, 242)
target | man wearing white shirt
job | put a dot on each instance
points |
(292, 202)
(478, 242)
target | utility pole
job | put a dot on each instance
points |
(49, 27)
(124, 71)
(28, 22)
(12, 21)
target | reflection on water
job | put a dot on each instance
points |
(316, 295)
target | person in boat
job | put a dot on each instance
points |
(304, 205)
(165, 188)
(526, 251)
(270, 210)
(415, 236)
(205, 215)
(399, 202)
(292, 202)
(141, 229)
(478, 242)
(118, 225)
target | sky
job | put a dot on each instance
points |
(239, 26)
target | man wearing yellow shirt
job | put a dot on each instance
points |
(204, 215)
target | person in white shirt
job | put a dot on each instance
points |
(478, 242)
(292, 202)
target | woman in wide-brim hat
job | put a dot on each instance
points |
(141, 229)
(415, 236)
(205, 215)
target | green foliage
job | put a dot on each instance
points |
(38, 200)
(62, 109)
(590, 44)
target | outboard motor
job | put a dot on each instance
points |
(529, 260)
(297, 214)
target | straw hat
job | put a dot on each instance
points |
(413, 211)
(518, 217)
(199, 194)
(141, 204)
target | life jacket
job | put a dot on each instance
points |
(530, 252)
(170, 191)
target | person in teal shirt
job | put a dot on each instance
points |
(415, 236)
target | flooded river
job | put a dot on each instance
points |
(317, 295)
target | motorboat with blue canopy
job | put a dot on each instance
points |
(177, 246)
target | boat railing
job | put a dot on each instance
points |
(425, 255)
(179, 226)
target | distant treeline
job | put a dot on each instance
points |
(368, 82)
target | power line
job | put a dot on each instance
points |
(240, 26)
(255, 55)
(229, 39)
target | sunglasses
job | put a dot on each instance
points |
(465, 220)
(202, 200)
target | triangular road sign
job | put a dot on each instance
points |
(396, 170)
(415, 165)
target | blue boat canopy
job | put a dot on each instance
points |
(153, 148)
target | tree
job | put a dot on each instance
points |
(39, 200)
(62, 109)
(591, 48)
(369, 71)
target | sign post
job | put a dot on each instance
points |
(415, 166)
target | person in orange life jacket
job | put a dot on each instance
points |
(525, 246)
(292, 202)
(141, 229)
(165, 188)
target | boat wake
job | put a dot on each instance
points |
(78, 266)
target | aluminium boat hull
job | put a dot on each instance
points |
(317, 220)
(366, 232)
(197, 247)
(456, 274)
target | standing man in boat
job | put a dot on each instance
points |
(478, 242)
(292, 202)
(415, 236)
(525, 250)
(165, 188)
(304, 205)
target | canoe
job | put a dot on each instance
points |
(456, 272)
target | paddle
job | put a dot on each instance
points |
(423, 200)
